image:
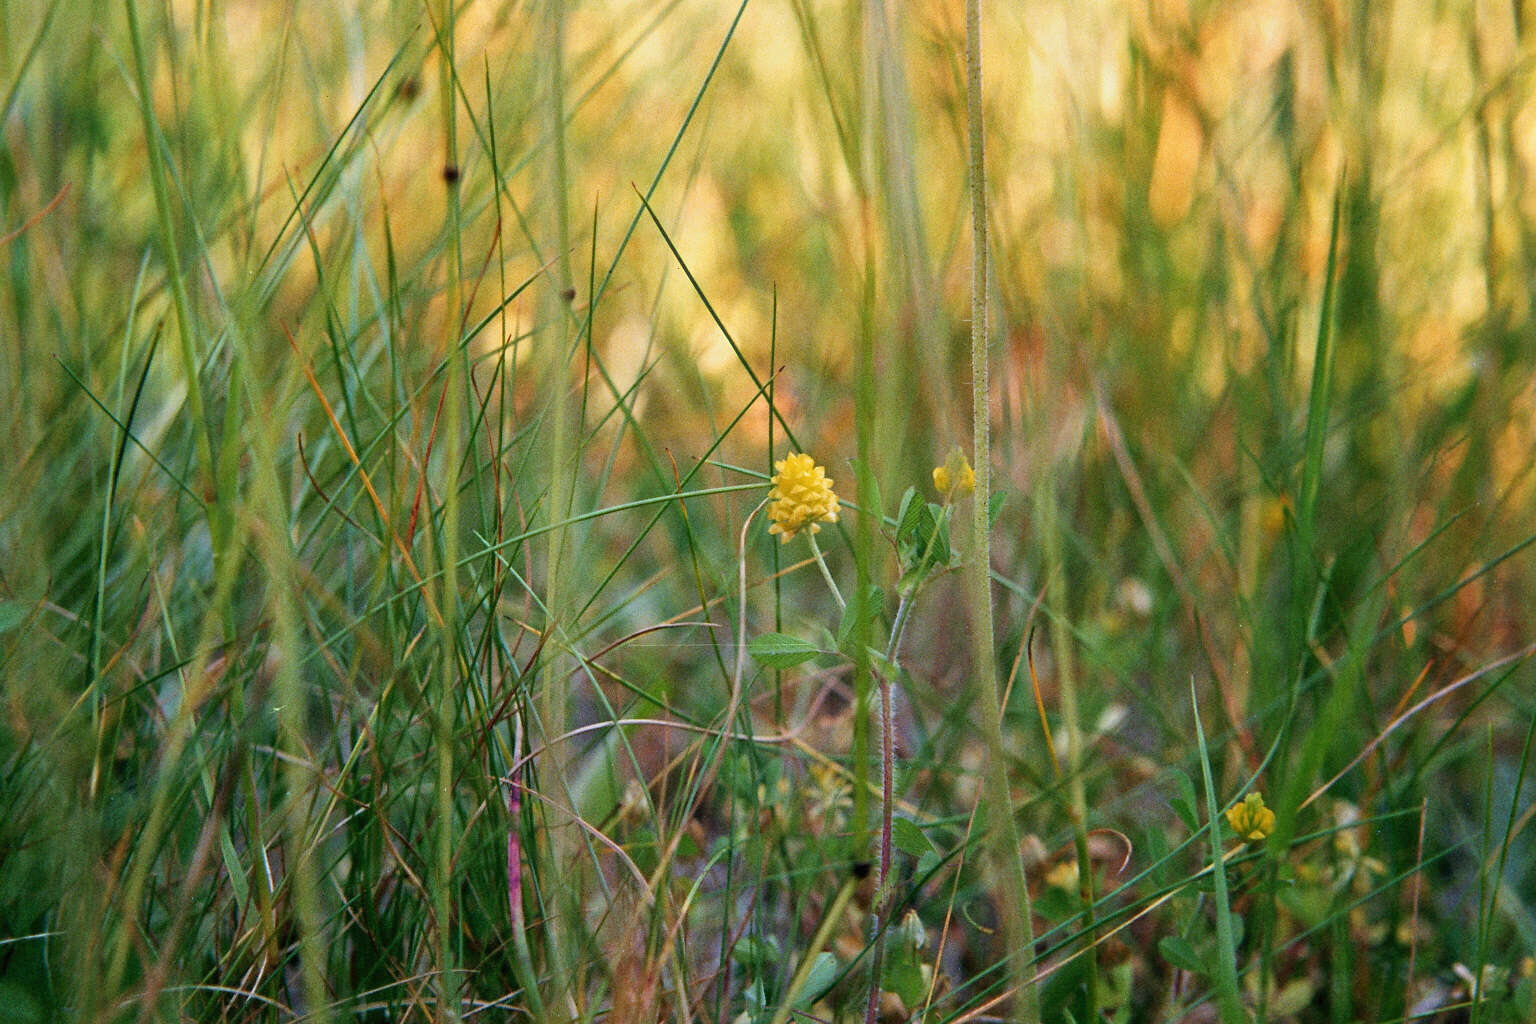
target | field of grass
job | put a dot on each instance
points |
(390, 626)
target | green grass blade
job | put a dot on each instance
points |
(1225, 968)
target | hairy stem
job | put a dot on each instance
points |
(1018, 928)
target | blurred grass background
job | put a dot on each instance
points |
(351, 388)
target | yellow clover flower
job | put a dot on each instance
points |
(955, 479)
(802, 497)
(1251, 820)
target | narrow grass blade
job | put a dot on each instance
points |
(1225, 972)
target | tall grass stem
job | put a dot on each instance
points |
(1017, 913)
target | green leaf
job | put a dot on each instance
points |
(1180, 952)
(928, 863)
(910, 578)
(903, 975)
(1119, 998)
(13, 614)
(21, 1005)
(909, 837)
(779, 650)
(756, 997)
(995, 507)
(941, 553)
(822, 639)
(864, 608)
(905, 518)
(918, 522)
(876, 498)
(821, 977)
(922, 542)
(756, 954)
(1311, 904)
(1185, 803)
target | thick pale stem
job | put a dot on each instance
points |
(1018, 928)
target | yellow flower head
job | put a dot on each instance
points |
(802, 497)
(1251, 820)
(955, 479)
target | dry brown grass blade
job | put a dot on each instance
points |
(32, 221)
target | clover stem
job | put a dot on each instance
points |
(825, 574)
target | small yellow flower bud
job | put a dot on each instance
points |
(1273, 513)
(802, 497)
(1251, 820)
(955, 479)
(1063, 875)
